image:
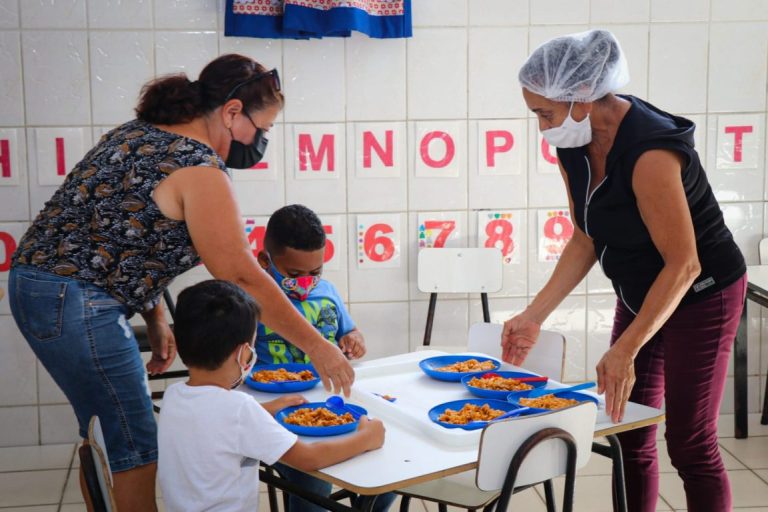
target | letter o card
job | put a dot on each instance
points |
(438, 146)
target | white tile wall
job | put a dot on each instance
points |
(73, 68)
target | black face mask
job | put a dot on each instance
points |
(245, 156)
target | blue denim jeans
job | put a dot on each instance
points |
(310, 483)
(81, 336)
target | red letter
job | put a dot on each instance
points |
(307, 150)
(449, 149)
(61, 165)
(5, 159)
(369, 141)
(738, 132)
(546, 153)
(10, 247)
(491, 149)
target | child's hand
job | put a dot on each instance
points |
(353, 344)
(372, 431)
(273, 406)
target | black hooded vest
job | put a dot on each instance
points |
(610, 215)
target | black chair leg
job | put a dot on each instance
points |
(764, 417)
(549, 494)
(405, 502)
(442, 507)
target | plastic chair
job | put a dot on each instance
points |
(762, 252)
(96, 470)
(515, 454)
(547, 357)
(465, 270)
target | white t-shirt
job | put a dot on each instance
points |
(210, 442)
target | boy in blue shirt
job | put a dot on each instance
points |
(294, 249)
(294, 244)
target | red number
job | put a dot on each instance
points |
(558, 228)
(500, 230)
(330, 250)
(445, 227)
(10, 247)
(256, 239)
(373, 241)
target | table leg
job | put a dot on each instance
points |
(740, 376)
(613, 451)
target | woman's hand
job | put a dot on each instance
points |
(353, 344)
(334, 369)
(163, 345)
(615, 378)
(517, 339)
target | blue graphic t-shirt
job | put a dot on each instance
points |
(324, 309)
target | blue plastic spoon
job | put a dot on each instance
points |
(508, 414)
(336, 402)
(536, 393)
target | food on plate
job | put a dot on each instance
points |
(548, 402)
(470, 412)
(470, 365)
(281, 375)
(320, 417)
(499, 384)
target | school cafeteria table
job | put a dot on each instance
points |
(757, 291)
(416, 450)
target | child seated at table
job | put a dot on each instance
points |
(211, 437)
(294, 249)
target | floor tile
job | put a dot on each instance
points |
(593, 494)
(762, 473)
(597, 465)
(73, 507)
(26, 458)
(725, 427)
(41, 508)
(753, 451)
(31, 487)
(72, 492)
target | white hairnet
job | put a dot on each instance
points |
(579, 67)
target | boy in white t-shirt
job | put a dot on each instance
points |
(210, 437)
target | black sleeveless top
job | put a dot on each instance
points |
(610, 215)
(102, 225)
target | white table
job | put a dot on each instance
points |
(412, 453)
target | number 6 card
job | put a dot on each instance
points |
(378, 241)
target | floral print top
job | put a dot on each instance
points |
(102, 225)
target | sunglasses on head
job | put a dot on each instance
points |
(272, 75)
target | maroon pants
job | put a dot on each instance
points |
(685, 365)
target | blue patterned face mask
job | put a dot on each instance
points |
(295, 287)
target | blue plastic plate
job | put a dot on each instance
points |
(456, 405)
(319, 431)
(499, 395)
(286, 386)
(573, 395)
(430, 365)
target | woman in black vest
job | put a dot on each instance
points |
(644, 210)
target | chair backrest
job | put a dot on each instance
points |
(500, 441)
(762, 251)
(547, 357)
(90, 475)
(101, 460)
(464, 270)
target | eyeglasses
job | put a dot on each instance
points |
(272, 74)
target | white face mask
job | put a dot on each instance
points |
(244, 372)
(570, 134)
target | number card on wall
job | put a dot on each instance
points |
(256, 227)
(377, 239)
(437, 145)
(499, 150)
(554, 230)
(438, 229)
(58, 150)
(318, 151)
(379, 150)
(10, 234)
(500, 229)
(546, 157)
(738, 141)
(9, 157)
